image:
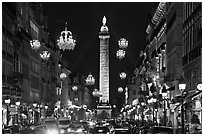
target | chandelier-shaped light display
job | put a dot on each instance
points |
(74, 88)
(120, 89)
(123, 75)
(45, 55)
(35, 44)
(120, 54)
(90, 80)
(66, 42)
(63, 75)
(123, 43)
(97, 93)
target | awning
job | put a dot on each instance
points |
(192, 95)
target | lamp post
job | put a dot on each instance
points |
(34, 106)
(142, 105)
(164, 95)
(182, 87)
(152, 101)
(18, 104)
(46, 107)
(7, 101)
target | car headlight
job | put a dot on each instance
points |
(68, 129)
(62, 131)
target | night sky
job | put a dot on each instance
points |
(124, 19)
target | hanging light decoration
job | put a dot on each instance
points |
(66, 42)
(35, 44)
(90, 80)
(45, 55)
(120, 54)
(97, 93)
(123, 75)
(120, 89)
(123, 43)
(74, 88)
(63, 76)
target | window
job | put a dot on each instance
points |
(25, 70)
(134, 92)
(34, 82)
(35, 67)
(34, 30)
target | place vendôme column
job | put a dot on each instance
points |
(65, 90)
(104, 62)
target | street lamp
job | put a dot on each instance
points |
(46, 107)
(34, 106)
(18, 104)
(142, 106)
(182, 87)
(152, 101)
(7, 101)
(164, 95)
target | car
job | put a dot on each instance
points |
(144, 129)
(161, 130)
(44, 129)
(40, 129)
(76, 128)
(63, 124)
(102, 129)
(52, 124)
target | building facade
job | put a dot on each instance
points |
(192, 60)
(23, 66)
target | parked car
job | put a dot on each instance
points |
(144, 130)
(52, 124)
(102, 129)
(76, 128)
(160, 130)
(44, 129)
(63, 124)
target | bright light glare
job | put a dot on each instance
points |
(62, 131)
(53, 131)
(91, 123)
(79, 130)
